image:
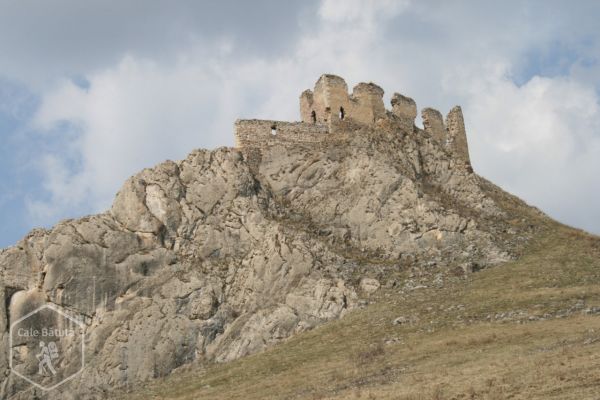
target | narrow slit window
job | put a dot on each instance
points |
(313, 117)
(342, 113)
(273, 130)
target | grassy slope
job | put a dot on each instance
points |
(456, 345)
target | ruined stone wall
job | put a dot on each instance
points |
(254, 132)
(307, 112)
(330, 114)
(405, 109)
(451, 135)
(457, 136)
(330, 102)
(433, 123)
(367, 105)
(329, 98)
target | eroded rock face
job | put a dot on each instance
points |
(210, 259)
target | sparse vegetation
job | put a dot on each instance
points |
(523, 330)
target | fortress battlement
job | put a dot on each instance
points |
(329, 112)
(248, 131)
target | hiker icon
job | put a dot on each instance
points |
(47, 354)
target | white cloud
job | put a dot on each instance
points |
(141, 112)
(365, 12)
(132, 116)
(538, 139)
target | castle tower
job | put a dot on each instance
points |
(451, 134)
(367, 104)
(433, 123)
(457, 136)
(330, 114)
(307, 111)
(405, 109)
(330, 102)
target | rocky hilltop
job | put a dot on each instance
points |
(230, 251)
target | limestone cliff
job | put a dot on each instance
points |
(233, 250)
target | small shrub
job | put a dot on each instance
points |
(369, 355)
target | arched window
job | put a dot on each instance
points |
(273, 130)
(313, 117)
(342, 113)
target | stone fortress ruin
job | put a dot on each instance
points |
(329, 114)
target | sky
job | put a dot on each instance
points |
(92, 92)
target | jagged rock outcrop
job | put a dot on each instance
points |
(230, 251)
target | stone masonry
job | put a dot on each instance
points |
(405, 109)
(329, 112)
(457, 138)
